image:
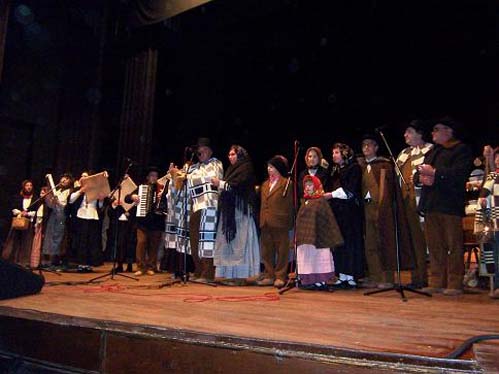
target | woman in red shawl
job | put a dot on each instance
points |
(317, 234)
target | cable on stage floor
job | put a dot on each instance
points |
(188, 298)
(459, 351)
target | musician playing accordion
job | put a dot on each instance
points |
(150, 223)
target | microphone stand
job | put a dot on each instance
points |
(113, 271)
(398, 287)
(293, 276)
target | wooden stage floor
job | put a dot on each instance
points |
(345, 323)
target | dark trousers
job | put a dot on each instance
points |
(203, 267)
(147, 248)
(275, 252)
(420, 273)
(444, 235)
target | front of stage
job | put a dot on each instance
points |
(123, 326)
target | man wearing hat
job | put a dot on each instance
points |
(203, 220)
(408, 160)
(443, 176)
(379, 191)
(276, 219)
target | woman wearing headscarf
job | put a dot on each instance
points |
(237, 250)
(317, 234)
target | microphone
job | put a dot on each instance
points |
(130, 161)
(380, 128)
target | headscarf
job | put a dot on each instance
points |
(318, 190)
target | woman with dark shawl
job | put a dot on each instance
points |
(237, 250)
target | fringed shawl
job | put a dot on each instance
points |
(239, 193)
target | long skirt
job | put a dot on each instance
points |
(17, 246)
(36, 248)
(87, 242)
(315, 265)
(239, 258)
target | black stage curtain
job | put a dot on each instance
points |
(148, 12)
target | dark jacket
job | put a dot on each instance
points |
(152, 221)
(453, 163)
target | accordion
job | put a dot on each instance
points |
(147, 195)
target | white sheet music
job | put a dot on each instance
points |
(127, 187)
(96, 186)
(50, 179)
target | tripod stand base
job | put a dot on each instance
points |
(40, 269)
(112, 273)
(400, 289)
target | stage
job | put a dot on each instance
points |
(124, 326)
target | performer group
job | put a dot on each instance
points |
(352, 220)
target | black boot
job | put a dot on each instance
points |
(129, 268)
(119, 268)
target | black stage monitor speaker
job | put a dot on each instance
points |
(16, 281)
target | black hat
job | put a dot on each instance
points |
(457, 127)
(152, 169)
(418, 125)
(280, 163)
(204, 142)
(369, 136)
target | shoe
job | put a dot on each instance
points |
(119, 268)
(279, 283)
(351, 283)
(200, 280)
(337, 285)
(452, 292)
(384, 285)
(138, 273)
(150, 272)
(368, 284)
(265, 282)
(417, 285)
(495, 294)
(129, 268)
(432, 290)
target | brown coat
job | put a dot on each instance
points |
(386, 194)
(276, 211)
(316, 224)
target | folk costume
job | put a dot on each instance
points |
(203, 220)
(177, 235)
(86, 240)
(17, 247)
(408, 160)
(149, 231)
(237, 250)
(443, 207)
(276, 219)
(56, 224)
(317, 234)
(488, 219)
(345, 184)
(318, 170)
(381, 194)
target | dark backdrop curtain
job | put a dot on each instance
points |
(4, 20)
(137, 115)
